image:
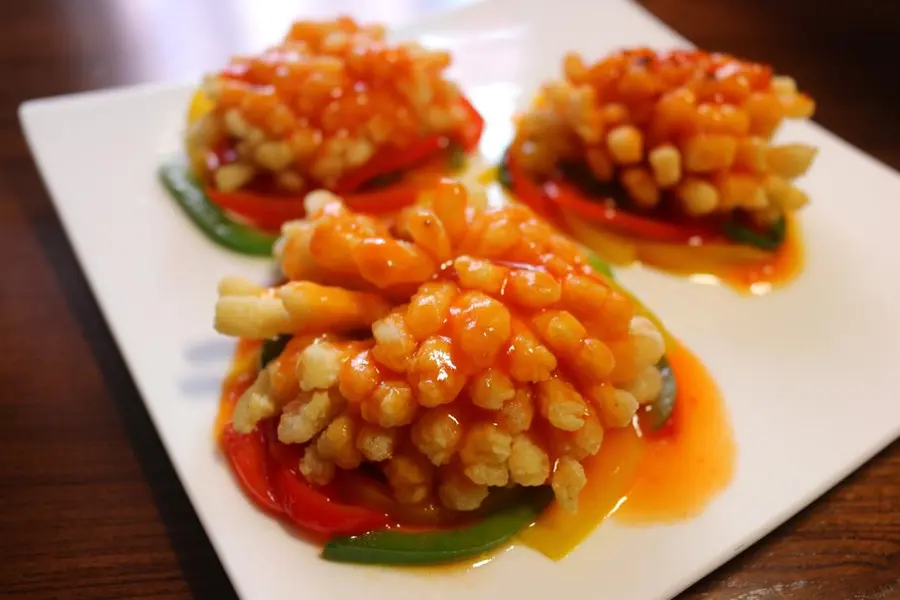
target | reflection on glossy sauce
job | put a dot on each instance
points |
(651, 477)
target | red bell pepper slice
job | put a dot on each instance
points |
(268, 472)
(398, 160)
(313, 511)
(390, 162)
(266, 212)
(247, 455)
(385, 200)
(527, 191)
(568, 196)
(472, 131)
(556, 192)
(270, 213)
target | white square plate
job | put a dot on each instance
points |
(807, 372)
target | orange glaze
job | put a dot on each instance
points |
(651, 477)
(326, 79)
(640, 477)
(240, 376)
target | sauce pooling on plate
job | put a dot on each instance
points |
(744, 269)
(647, 477)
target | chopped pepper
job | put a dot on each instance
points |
(560, 193)
(656, 415)
(271, 349)
(418, 151)
(265, 211)
(391, 162)
(177, 179)
(440, 546)
(314, 512)
(769, 240)
(384, 193)
(471, 133)
(309, 506)
(268, 472)
(600, 265)
(247, 455)
(456, 159)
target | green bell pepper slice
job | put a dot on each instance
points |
(770, 239)
(657, 414)
(600, 265)
(272, 349)
(441, 546)
(209, 218)
(456, 158)
(504, 177)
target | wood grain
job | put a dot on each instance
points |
(89, 504)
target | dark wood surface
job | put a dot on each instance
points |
(89, 504)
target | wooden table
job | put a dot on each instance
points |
(89, 504)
